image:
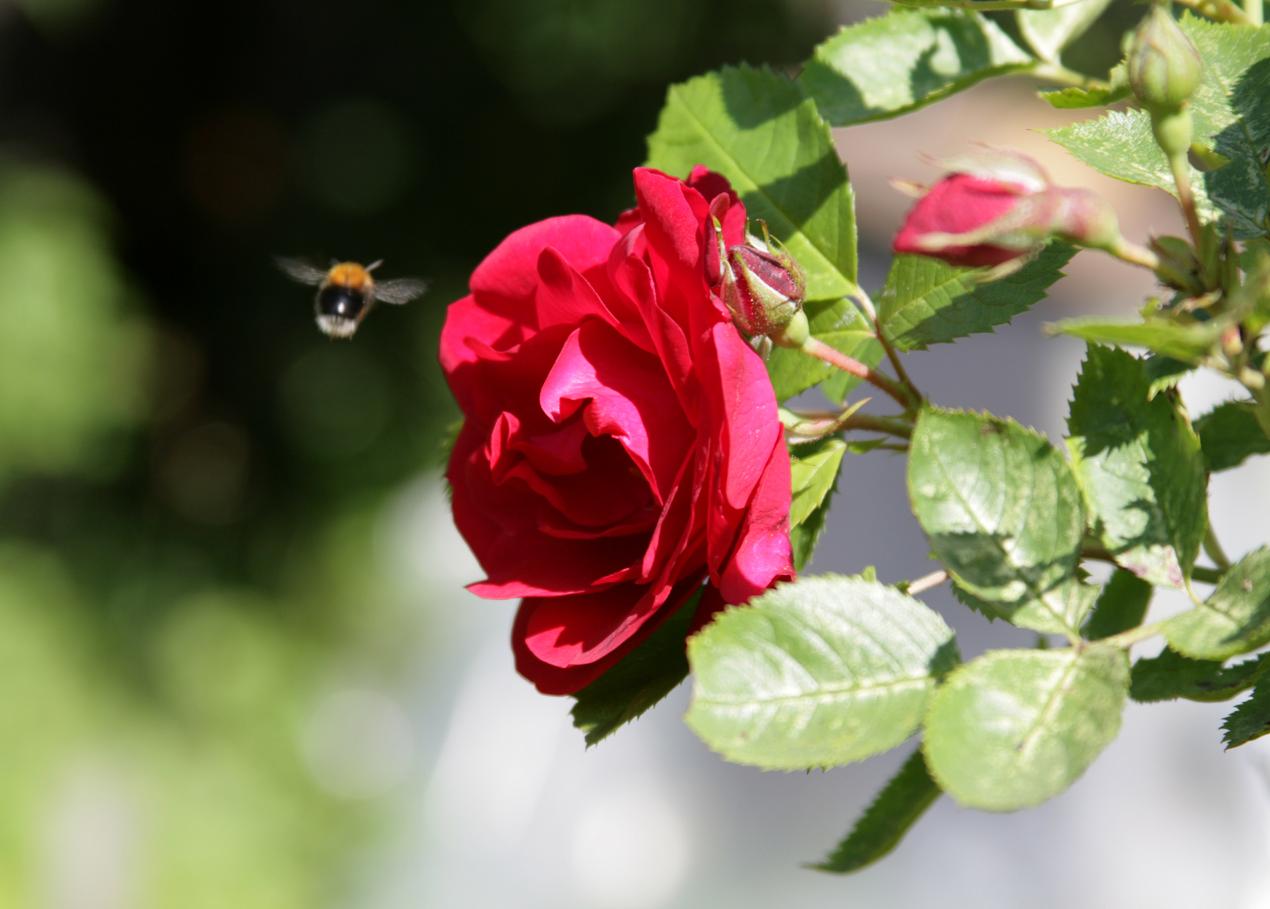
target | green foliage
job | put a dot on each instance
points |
(1250, 720)
(1229, 434)
(899, 806)
(1121, 605)
(638, 682)
(823, 671)
(1048, 31)
(1234, 619)
(76, 355)
(927, 301)
(1185, 343)
(1231, 111)
(1004, 514)
(814, 473)
(1169, 676)
(904, 60)
(757, 129)
(1015, 727)
(838, 324)
(1139, 464)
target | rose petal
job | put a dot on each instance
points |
(562, 645)
(762, 554)
(626, 396)
(510, 272)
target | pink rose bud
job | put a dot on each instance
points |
(997, 207)
(763, 286)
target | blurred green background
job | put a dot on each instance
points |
(197, 629)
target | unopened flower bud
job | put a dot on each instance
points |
(763, 286)
(1001, 207)
(1164, 67)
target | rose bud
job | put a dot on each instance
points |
(763, 286)
(998, 207)
(1164, 68)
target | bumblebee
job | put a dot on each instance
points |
(347, 292)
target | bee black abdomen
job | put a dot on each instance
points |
(340, 302)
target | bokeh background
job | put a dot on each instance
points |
(237, 665)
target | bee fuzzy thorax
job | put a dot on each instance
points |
(350, 274)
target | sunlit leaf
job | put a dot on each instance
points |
(904, 60)
(823, 671)
(1016, 727)
(1004, 514)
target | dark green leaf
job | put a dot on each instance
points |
(1170, 676)
(638, 682)
(1164, 373)
(814, 473)
(1004, 514)
(895, 810)
(1234, 619)
(1077, 96)
(1230, 434)
(1121, 605)
(1231, 110)
(1188, 343)
(1250, 720)
(824, 671)
(904, 60)
(1016, 727)
(1051, 30)
(1139, 464)
(926, 301)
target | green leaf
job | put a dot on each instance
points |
(1187, 343)
(1170, 676)
(926, 301)
(904, 60)
(1051, 30)
(1077, 96)
(1164, 373)
(1139, 464)
(824, 671)
(1230, 434)
(1250, 720)
(638, 682)
(1234, 619)
(756, 128)
(895, 810)
(1231, 110)
(1004, 514)
(813, 473)
(1121, 605)
(1016, 727)
(838, 324)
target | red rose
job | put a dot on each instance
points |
(997, 206)
(621, 443)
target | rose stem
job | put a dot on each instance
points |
(1214, 549)
(871, 313)
(1134, 254)
(926, 582)
(834, 357)
(818, 424)
(1224, 10)
(1186, 196)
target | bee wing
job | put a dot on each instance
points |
(400, 290)
(299, 270)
